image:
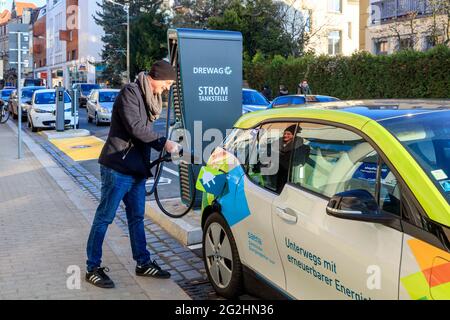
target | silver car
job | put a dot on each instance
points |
(100, 104)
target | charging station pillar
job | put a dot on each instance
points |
(60, 119)
(207, 94)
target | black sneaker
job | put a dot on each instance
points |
(152, 270)
(99, 278)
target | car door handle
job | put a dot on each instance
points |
(287, 215)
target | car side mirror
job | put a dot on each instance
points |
(358, 205)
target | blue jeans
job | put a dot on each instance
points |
(115, 188)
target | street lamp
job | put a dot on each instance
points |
(126, 8)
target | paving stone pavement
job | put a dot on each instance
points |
(43, 233)
(166, 250)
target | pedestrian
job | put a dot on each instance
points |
(304, 88)
(124, 164)
(267, 92)
(283, 91)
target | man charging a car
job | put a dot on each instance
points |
(125, 168)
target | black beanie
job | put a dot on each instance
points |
(291, 129)
(162, 70)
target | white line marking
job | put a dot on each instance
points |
(171, 172)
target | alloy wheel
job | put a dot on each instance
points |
(219, 257)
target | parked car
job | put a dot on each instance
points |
(299, 100)
(27, 95)
(340, 201)
(84, 90)
(253, 101)
(42, 112)
(34, 82)
(100, 105)
(5, 94)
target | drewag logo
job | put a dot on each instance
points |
(213, 70)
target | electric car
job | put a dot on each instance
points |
(299, 100)
(344, 200)
(253, 101)
(42, 112)
(99, 105)
(27, 95)
(84, 90)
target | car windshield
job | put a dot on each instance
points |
(254, 98)
(49, 98)
(108, 96)
(426, 136)
(87, 88)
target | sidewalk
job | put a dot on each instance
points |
(44, 225)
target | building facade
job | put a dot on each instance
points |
(402, 24)
(39, 43)
(5, 17)
(21, 16)
(73, 42)
(333, 25)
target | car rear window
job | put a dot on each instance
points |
(254, 98)
(282, 102)
(87, 88)
(6, 93)
(298, 100)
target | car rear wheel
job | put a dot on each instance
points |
(221, 257)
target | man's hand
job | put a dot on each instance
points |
(172, 147)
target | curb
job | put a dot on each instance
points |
(53, 134)
(186, 230)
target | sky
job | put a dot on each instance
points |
(7, 4)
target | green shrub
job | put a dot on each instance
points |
(406, 74)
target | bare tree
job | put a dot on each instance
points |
(195, 13)
(445, 8)
(438, 30)
(298, 24)
(404, 29)
(407, 29)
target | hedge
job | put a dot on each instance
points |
(405, 74)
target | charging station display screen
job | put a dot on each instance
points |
(207, 96)
(211, 73)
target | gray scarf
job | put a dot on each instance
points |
(153, 102)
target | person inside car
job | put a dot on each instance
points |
(290, 143)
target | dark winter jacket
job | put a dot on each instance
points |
(131, 136)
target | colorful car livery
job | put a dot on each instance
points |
(345, 200)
